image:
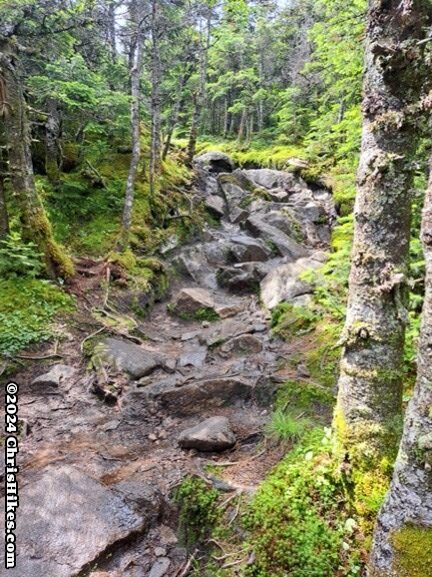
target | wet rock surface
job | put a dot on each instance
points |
(97, 478)
(213, 434)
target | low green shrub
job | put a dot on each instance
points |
(19, 258)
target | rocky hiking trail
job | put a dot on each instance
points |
(98, 465)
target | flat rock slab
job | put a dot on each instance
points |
(130, 358)
(276, 179)
(65, 521)
(55, 376)
(213, 434)
(200, 395)
(215, 205)
(285, 245)
(193, 358)
(284, 283)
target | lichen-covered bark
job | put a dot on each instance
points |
(403, 535)
(370, 391)
(36, 225)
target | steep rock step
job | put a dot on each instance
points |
(67, 520)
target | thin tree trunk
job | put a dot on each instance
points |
(156, 74)
(403, 536)
(52, 137)
(112, 30)
(242, 125)
(4, 215)
(175, 114)
(369, 400)
(36, 225)
(135, 74)
(225, 119)
(200, 95)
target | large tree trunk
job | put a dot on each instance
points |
(135, 74)
(155, 101)
(403, 535)
(36, 225)
(370, 385)
(52, 139)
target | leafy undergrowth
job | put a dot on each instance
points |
(86, 204)
(27, 311)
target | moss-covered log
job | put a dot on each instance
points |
(403, 536)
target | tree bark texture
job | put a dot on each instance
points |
(369, 400)
(156, 76)
(403, 535)
(199, 97)
(52, 140)
(135, 74)
(36, 225)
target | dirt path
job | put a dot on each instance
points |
(96, 477)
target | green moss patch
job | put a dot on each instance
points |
(413, 551)
(27, 310)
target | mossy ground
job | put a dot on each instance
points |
(27, 311)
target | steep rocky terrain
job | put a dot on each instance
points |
(99, 463)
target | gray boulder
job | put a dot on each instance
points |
(213, 434)
(285, 245)
(214, 161)
(243, 345)
(190, 300)
(283, 283)
(215, 205)
(55, 376)
(241, 278)
(246, 249)
(277, 179)
(130, 358)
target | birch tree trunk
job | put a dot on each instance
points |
(135, 73)
(403, 535)
(156, 74)
(369, 400)
(35, 222)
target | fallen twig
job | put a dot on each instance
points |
(39, 358)
(185, 570)
(234, 517)
(232, 563)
